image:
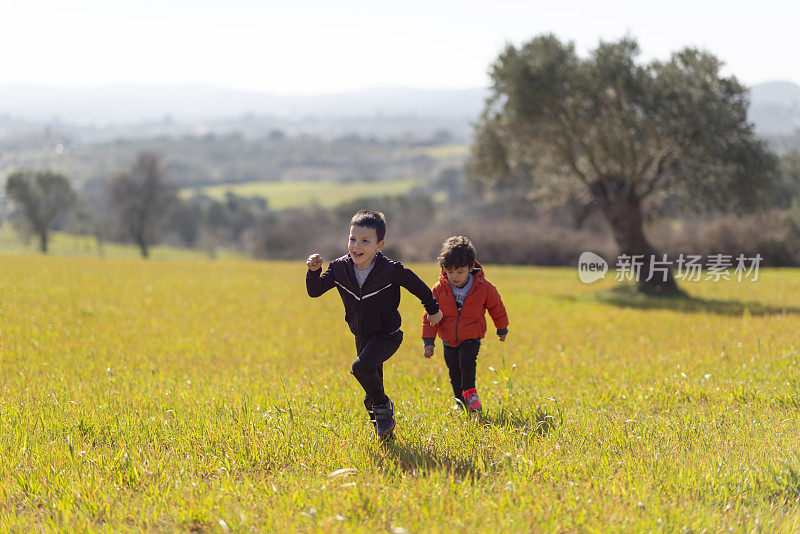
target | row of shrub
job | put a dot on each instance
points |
(416, 229)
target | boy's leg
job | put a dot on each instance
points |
(368, 366)
(368, 404)
(368, 370)
(468, 359)
(453, 367)
(367, 399)
(380, 371)
(468, 362)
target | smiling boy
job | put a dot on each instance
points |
(464, 296)
(369, 285)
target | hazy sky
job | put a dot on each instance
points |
(316, 46)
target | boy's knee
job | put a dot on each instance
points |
(359, 368)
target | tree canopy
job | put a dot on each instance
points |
(621, 131)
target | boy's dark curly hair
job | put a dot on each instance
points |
(370, 219)
(457, 251)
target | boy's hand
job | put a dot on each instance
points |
(502, 337)
(435, 318)
(428, 351)
(314, 262)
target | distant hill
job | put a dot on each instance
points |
(778, 93)
(775, 108)
(142, 103)
(102, 113)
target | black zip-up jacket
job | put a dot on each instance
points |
(371, 309)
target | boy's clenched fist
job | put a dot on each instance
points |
(314, 262)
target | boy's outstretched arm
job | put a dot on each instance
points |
(497, 311)
(316, 285)
(406, 278)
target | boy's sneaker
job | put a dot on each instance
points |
(384, 419)
(471, 400)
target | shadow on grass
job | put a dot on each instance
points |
(421, 459)
(627, 296)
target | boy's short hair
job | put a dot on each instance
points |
(457, 251)
(370, 219)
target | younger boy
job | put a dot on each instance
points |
(464, 296)
(369, 285)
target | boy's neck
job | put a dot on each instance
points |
(364, 268)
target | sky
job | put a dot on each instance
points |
(331, 46)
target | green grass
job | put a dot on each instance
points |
(281, 195)
(66, 244)
(444, 151)
(205, 396)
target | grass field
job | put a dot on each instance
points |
(445, 151)
(65, 244)
(200, 395)
(281, 195)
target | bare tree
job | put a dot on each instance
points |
(142, 196)
(41, 196)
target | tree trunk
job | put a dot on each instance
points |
(579, 211)
(143, 249)
(624, 214)
(43, 241)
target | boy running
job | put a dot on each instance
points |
(464, 296)
(369, 285)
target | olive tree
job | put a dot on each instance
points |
(621, 132)
(41, 197)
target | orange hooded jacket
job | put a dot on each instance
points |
(470, 322)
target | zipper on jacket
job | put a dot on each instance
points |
(458, 320)
(360, 306)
